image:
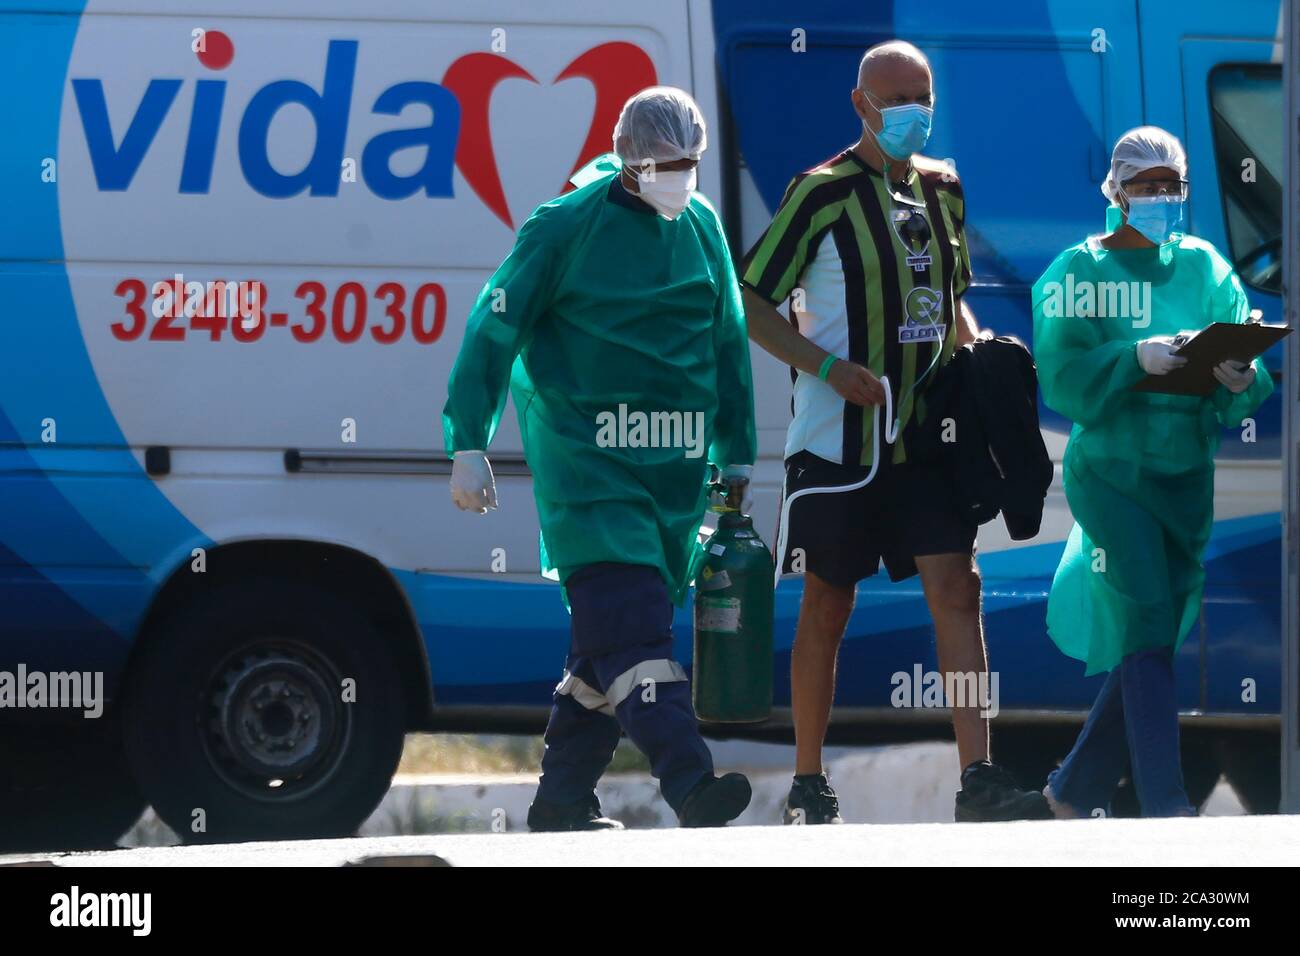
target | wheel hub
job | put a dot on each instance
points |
(276, 721)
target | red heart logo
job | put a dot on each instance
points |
(616, 70)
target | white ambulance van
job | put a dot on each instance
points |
(238, 245)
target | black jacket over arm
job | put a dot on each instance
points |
(995, 453)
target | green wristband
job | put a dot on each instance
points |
(825, 370)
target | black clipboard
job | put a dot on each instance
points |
(1217, 342)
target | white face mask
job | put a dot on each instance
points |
(668, 192)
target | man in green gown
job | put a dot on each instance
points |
(617, 321)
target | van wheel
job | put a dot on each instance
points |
(66, 788)
(264, 710)
(1252, 763)
(1200, 777)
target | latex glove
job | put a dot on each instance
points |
(472, 486)
(736, 473)
(1233, 377)
(1156, 356)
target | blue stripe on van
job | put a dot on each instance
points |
(504, 642)
(84, 494)
(48, 379)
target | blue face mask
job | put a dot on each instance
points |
(904, 129)
(1156, 217)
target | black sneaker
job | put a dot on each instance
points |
(989, 794)
(583, 815)
(811, 801)
(715, 801)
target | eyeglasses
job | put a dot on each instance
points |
(1144, 188)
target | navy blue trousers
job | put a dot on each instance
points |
(620, 677)
(1133, 726)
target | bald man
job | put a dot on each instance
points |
(870, 249)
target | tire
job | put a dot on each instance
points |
(66, 787)
(1201, 772)
(1029, 754)
(236, 724)
(1252, 762)
(1200, 776)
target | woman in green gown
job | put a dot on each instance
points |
(1138, 470)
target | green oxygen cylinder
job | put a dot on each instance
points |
(734, 588)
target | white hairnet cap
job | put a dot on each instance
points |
(1142, 148)
(661, 123)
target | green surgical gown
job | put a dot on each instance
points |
(1139, 466)
(604, 310)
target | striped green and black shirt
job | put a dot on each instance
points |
(874, 272)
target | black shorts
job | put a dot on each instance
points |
(841, 536)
